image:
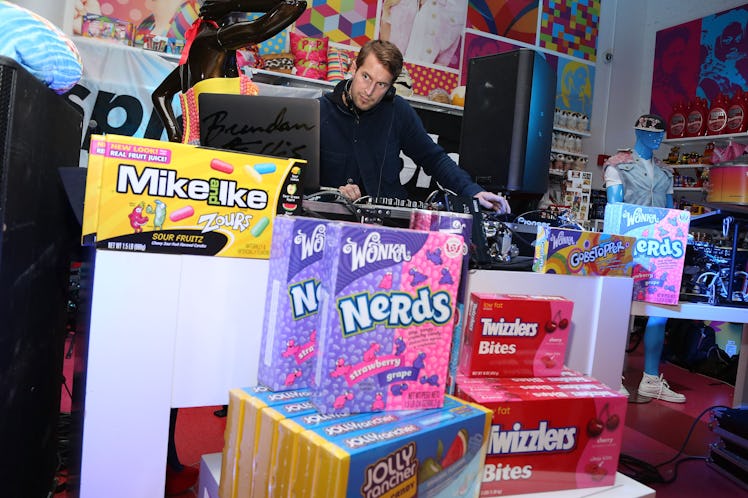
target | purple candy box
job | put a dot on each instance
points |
(289, 332)
(386, 318)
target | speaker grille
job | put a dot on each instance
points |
(7, 75)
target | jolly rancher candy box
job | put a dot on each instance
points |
(578, 252)
(289, 331)
(513, 335)
(386, 318)
(659, 253)
(152, 196)
(548, 434)
(435, 453)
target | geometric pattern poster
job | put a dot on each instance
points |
(569, 27)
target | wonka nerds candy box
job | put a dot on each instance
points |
(289, 330)
(436, 454)
(153, 196)
(547, 436)
(460, 223)
(660, 250)
(510, 335)
(577, 252)
(386, 318)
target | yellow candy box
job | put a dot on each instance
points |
(151, 196)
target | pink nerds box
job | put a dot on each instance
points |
(386, 318)
(512, 335)
(289, 331)
(661, 236)
(577, 252)
(548, 435)
(460, 223)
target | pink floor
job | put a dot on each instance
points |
(655, 432)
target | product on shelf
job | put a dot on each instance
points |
(696, 117)
(510, 335)
(661, 235)
(289, 330)
(736, 113)
(677, 122)
(716, 122)
(548, 434)
(151, 196)
(577, 252)
(728, 184)
(386, 318)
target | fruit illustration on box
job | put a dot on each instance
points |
(433, 465)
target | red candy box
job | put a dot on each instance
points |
(547, 435)
(509, 335)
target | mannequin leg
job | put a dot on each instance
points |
(654, 340)
(652, 384)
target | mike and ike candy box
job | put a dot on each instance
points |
(548, 434)
(147, 195)
(515, 335)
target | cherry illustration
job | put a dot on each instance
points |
(612, 423)
(554, 323)
(595, 427)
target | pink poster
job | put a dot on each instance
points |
(676, 67)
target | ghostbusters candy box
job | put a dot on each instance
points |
(660, 250)
(514, 335)
(548, 435)
(151, 196)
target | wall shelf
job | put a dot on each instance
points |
(737, 137)
(575, 154)
(572, 131)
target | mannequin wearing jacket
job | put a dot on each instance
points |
(637, 177)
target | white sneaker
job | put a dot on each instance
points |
(653, 386)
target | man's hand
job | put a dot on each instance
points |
(495, 202)
(350, 191)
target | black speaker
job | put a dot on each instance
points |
(507, 122)
(40, 132)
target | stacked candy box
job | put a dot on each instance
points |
(432, 453)
(450, 222)
(283, 448)
(577, 252)
(386, 318)
(548, 434)
(241, 436)
(660, 250)
(515, 335)
(289, 330)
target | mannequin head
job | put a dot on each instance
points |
(649, 130)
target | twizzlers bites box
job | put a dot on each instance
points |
(289, 331)
(386, 318)
(152, 196)
(659, 253)
(549, 436)
(515, 335)
(578, 252)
